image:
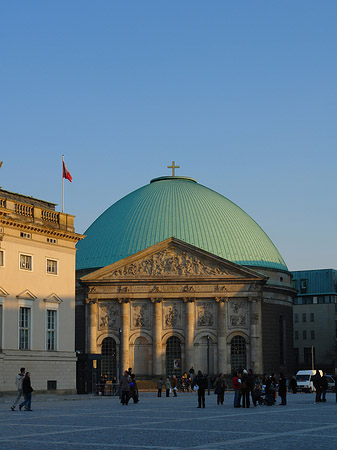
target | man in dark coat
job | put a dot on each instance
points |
(282, 389)
(124, 388)
(324, 386)
(201, 381)
(317, 380)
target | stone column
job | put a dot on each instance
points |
(189, 333)
(256, 335)
(223, 362)
(157, 336)
(92, 323)
(125, 333)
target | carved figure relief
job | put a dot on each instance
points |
(108, 315)
(140, 316)
(169, 262)
(205, 315)
(172, 316)
(238, 316)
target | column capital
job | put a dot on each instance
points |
(156, 299)
(90, 301)
(123, 300)
(221, 299)
(189, 299)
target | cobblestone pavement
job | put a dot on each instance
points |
(83, 423)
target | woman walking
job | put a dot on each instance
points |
(220, 387)
(27, 392)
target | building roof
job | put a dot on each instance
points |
(176, 207)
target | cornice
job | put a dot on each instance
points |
(42, 229)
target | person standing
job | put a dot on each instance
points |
(174, 385)
(18, 381)
(317, 380)
(160, 385)
(167, 387)
(250, 385)
(293, 384)
(124, 387)
(236, 387)
(27, 393)
(245, 390)
(134, 389)
(220, 386)
(282, 389)
(201, 381)
(324, 386)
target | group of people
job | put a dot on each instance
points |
(246, 386)
(321, 386)
(23, 384)
(128, 387)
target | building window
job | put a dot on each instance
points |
(26, 262)
(312, 317)
(296, 335)
(312, 334)
(109, 359)
(303, 286)
(51, 241)
(25, 235)
(0, 328)
(281, 334)
(51, 329)
(304, 317)
(296, 318)
(52, 266)
(2, 258)
(304, 334)
(238, 352)
(173, 356)
(24, 328)
(294, 284)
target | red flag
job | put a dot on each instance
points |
(66, 173)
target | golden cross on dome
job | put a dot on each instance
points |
(173, 167)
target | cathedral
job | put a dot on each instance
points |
(175, 275)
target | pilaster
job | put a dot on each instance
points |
(157, 336)
(189, 332)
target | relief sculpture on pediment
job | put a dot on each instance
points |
(108, 315)
(169, 262)
(238, 316)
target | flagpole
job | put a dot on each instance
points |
(62, 183)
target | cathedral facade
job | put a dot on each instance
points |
(173, 305)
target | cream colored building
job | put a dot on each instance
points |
(37, 291)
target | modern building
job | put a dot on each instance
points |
(37, 293)
(315, 319)
(173, 268)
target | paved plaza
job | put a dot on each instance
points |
(83, 423)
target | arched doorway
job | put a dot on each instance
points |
(173, 356)
(141, 357)
(109, 363)
(238, 353)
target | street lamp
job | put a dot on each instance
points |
(120, 355)
(208, 380)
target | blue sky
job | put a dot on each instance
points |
(242, 95)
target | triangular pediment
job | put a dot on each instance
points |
(52, 298)
(26, 295)
(3, 293)
(169, 259)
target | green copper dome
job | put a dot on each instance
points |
(176, 207)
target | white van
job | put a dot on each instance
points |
(304, 380)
